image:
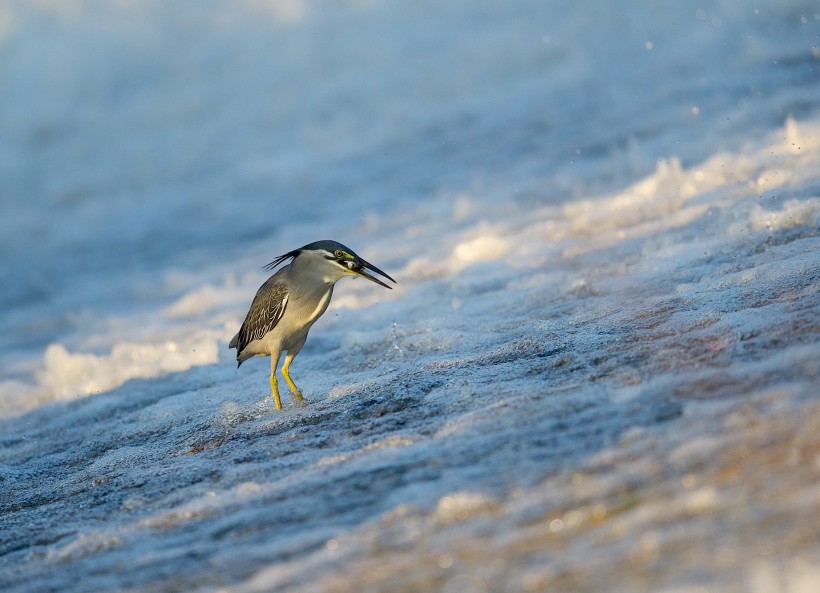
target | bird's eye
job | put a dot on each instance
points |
(339, 253)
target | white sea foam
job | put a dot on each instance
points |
(70, 374)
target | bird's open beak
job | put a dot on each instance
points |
(360, 266)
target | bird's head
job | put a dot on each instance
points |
(333, 260)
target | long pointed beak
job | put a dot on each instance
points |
(360, 267)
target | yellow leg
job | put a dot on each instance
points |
(297, 394)
(274, 389)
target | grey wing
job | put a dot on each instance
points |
(266, 311)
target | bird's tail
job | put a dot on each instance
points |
(234, 343)
(242, 357)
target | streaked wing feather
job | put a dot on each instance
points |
(266, 311)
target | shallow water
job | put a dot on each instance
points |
(597, 371)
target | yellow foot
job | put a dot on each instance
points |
(298, 400)
(272, 400)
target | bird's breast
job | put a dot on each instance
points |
(306, 308)
(321, 306)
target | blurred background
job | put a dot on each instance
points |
(600, 214)
(138, 136)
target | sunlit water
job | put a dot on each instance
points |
(597, 372)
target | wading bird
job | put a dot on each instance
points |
(290, 301)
